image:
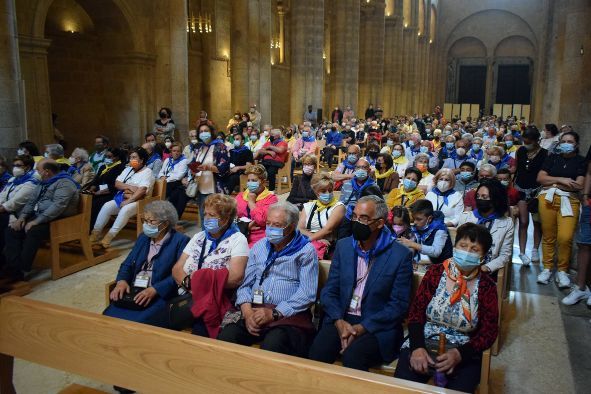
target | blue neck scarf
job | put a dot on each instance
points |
(372, 162)
(55, 178)
(239, 149)
(74, 168)
(348, 165)
(28, 177)
(210, 143)
(296, 244)
(233, 229)
(155, 156)
(476, 155)
(172, 162)
(445, 195)
(276, 141)
(435, 225)
(4, 177)
(309, 138)
(357, 190)
(482, 219)
(451, 153)
(383, 242)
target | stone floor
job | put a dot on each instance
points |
(546, 347)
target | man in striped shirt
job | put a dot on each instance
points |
(279, 287)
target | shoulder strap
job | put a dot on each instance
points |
(309, 225)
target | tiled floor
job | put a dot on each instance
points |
(546, 346)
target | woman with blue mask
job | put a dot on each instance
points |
(399, 160)
(456, 299)
(305, 145)
(320, 218)
(216, 256)
(408, 192)
(144, 282)
(253, 204)
(562, 177)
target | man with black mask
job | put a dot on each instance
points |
(367, 293)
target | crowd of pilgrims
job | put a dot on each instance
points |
(379, 198)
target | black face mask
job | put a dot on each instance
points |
(162, 115)
(373, 154)
(271, 138)
(361, 232)
(288, 135)
(379, 166)
(483, 205)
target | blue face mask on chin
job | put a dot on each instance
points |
(466, 261)
(150, 230)
(274, 234)
(212, 225)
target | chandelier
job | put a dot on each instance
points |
(275, 43)
(199, 24)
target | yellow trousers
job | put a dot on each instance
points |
(557, 231)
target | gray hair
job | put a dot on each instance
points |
(163, 210)
(422, 156)
(80, 153)
(381, 207)
(488, 168)
(292, 212)
(55, 150)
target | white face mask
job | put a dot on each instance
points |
(443, 186)
(72, 160)
(17, 171)
(168, 144)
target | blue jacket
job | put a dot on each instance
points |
(334, 138)
(166, 258)
(386, 296)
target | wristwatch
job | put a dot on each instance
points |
(276, 315)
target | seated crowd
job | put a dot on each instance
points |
(409, 196)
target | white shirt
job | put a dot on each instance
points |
(427, 181)
(143, 178)
(315, 224)
(235, 245)
(452, 210)
(175, 173)
(14, 198)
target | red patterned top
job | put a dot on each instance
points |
(487, 329)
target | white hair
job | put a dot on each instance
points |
(292, 213)
(81, 153)
(163, 210)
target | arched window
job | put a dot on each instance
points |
(432, 25)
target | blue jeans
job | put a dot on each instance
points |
(200, 198)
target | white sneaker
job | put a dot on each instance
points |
(524, 259)
(562, 280)
(544, 277)
(535, 256)
(576, 295)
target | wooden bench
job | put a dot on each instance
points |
(154, 360)
(158, 193)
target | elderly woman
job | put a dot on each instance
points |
(399, 160)
(562, 178)
(491, 212)
(456, 300)
(422, 164)
(408, 192)
(208, 164)
(253, 204)
(133, 184)
(445, 198)
(144, 281)
(80, 169)
(301, 192)
(221, 246)
(319, 219)
(164, 126)
(102, 187)
(497, 157)
(386, 177)
(240, 158)
(476, 153)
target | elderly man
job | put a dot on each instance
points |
(334, 141)
(273, 156)
(360, 185)
(55, 152)
(278, 289)
(412, 147)
(367, 293)
(345, 170)
(101, 144)
(56, 196)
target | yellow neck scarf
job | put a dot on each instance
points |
(385, 174)
(400, 160)
(260, 197)
(321, 207)
(108, 168)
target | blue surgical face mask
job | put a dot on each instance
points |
(252, 186)
(205, 136)
(466, 261)
(212, 225)
(274, 234)
(475, 147)
(325, 198)
(253, 137)
(20, 151)
(150, 230)
(352, 158)
(361, 174)
(508, 144)
(409, 184)
(566, 147)
(305, 134)
(108, 161)
(449, 145)
(237, 143)
(389, 142)
(396, 154)
(465, 175)
(424, 149)
(411, 143)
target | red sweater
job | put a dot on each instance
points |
(210, 301)
(487, 329)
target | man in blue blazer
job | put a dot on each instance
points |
(367, 293)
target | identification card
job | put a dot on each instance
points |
(257, 297)
(354, 302)
(142, 280)
(103, 187)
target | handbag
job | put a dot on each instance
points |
(127, 301)
(191, 190)
(244, 226)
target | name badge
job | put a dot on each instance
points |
(142, 280)
(257, 297)
(354, 302)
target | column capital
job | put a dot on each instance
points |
(33, 45)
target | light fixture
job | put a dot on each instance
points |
(405, 25)
(324, 55)
(419, 34)
(226, 58)
(200, 23)
(387, 14)
(275, 43)
(582, 51)
(430, 41)
(272, 62)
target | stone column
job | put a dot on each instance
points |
(392, 64)
(281, 13)
(12, 127)
(239, 55)
(344, 55)
(489, 100)
(179, 64)
(371, 53)
(307, 65)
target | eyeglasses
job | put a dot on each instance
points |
(153, 222)
(363, 219)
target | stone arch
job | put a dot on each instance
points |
(515, 46)
(467, 47)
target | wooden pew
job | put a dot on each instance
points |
(284, 187)
(155, 360)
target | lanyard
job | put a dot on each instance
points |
(129, 175)
(12, 186)
(440, 206)
(268, 264)
(204, 156)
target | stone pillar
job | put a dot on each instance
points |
(489, 100)
(281, 13)
(392, 64)
(12, 127)
(33, 59)
(409, 40)
(239, 55)
(344, 55)
(179, 64)
(307, 65)
(371, 53)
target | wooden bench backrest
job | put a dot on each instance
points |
(156, 360)
(159, 189)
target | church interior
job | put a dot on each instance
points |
(76, 69)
